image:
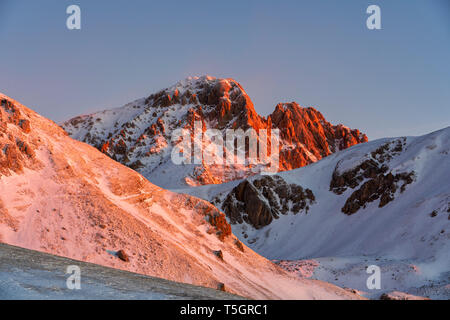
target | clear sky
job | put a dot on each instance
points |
(389, 82)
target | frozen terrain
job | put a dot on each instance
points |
(420, 280)
(64, 197)
(387, 199)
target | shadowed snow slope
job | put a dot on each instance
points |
(64, 197)
(29, 274)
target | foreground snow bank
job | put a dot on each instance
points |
(28, 274)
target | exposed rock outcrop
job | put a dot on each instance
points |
(372, 179)
(260, 201)
(397, 295)
(218, 254)
(308, 136)
(381, 187)
(16, 151)
(122, 256)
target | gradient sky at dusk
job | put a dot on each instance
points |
(389, 82)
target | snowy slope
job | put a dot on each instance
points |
(64, 197)
(413, 276)
(407, 219)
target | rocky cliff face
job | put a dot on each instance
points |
(17, 152)
(139, 134)
(308, 137)
(259, 201)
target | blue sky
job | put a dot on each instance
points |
(389, 82)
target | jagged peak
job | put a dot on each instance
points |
(198, 83)
(139, 135)
(295, 107)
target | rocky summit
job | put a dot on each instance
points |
(140, 133)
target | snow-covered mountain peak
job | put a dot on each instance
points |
(139, 134)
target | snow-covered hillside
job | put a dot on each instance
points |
(140, 134)
(388, 198)
(64, 197)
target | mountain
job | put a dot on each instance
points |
(385, 202)
(140, 134)
(64, 197)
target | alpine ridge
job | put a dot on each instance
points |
(139, 133)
